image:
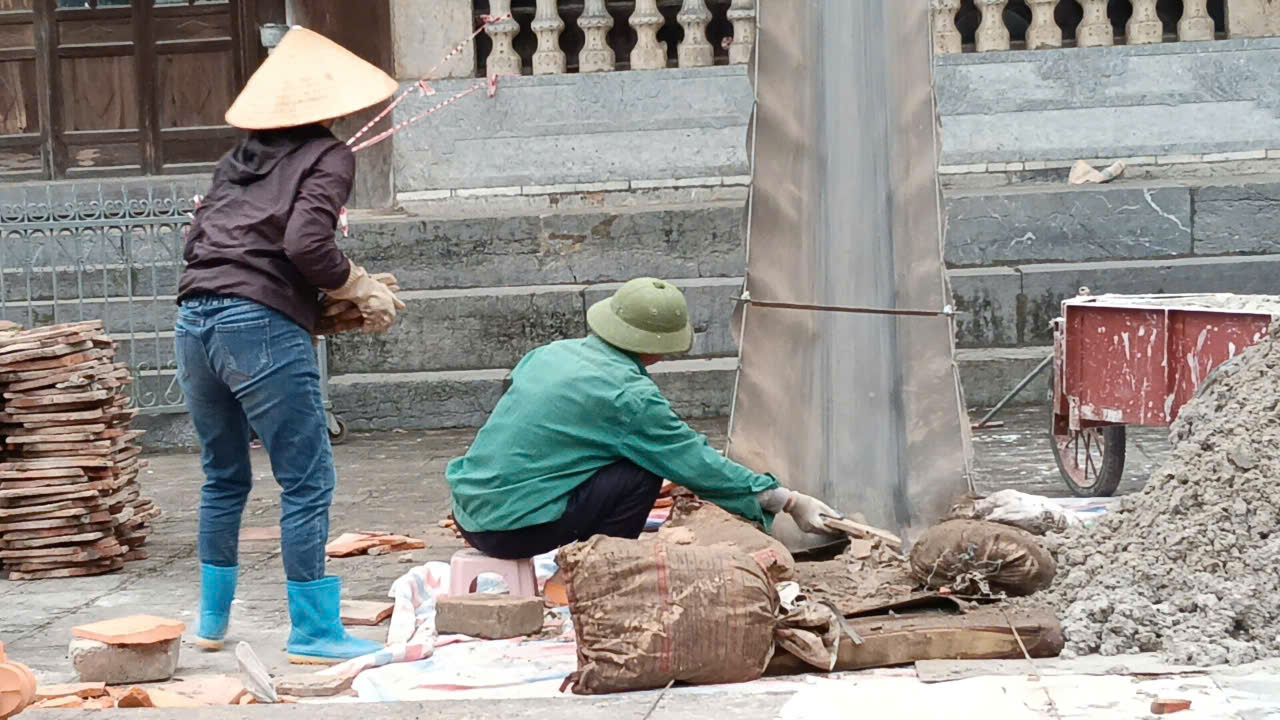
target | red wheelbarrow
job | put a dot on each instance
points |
(1136, 360)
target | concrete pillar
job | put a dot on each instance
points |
(424, 31)
(1253, 18)
(364, 28)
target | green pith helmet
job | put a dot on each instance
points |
(647, 316)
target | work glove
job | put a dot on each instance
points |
(339, 316)
(375, 302)
(806, 511)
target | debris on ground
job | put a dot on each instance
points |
(365, 612)
(70, 503)
(312, 685)
(489, 616)
(1036, 514)
(1187, 567)
(1082, 173)
(371, 543)
(1168, 707)
(867, 574)
(865, 532)
(128, 650)
(980, 558)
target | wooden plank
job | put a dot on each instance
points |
(38, 434)
(50, 567)
(84, 518)
(42, 353)
(25, 500)
(84, 363)
(20, 440)
(850, 527)
(107, 547)
(69, 490)
(104, 527)
(53, 515)
(51, 463)
(53, 331)
(42, 473)
(45, 542)
(57, 399)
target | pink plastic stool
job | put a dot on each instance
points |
(467, 565)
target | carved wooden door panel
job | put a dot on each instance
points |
(20, 93)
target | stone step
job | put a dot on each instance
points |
(989, 374)
(66, 283)
(119, 315)
(580, 246)
(483, 328)
(1010, 306)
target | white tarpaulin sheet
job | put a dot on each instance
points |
(864, 411)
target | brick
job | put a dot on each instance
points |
(364, 612)
(313, 685)
(69, 702)
(1165, 707)
(80, 690)
(162, 698)
(135, 698)
(124, 664)
(132, 630)
(493, 617)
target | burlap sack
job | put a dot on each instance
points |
(647, 613)
(709, 525)
(975, 557)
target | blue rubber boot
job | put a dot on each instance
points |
(217, 590)
(318, 637)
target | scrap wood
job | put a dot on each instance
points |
(860, 530)
(977, 635)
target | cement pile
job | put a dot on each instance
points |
(1190, 567)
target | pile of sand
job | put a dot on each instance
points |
(1190, 567)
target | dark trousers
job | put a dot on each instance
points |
(616, 502)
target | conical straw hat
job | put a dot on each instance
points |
(309, 78)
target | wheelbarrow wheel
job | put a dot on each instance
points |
(337, 430)
(1091, 460)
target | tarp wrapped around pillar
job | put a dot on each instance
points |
(863, 411)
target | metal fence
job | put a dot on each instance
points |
(71, 253)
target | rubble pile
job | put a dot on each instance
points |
(1190, 567)
(70, 503)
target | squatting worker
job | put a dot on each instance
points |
(260, 252)
(582, 439)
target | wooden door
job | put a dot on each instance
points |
(21, 129)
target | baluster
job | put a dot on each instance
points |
(992, 33)
(695, 50)
(596, 55)
(946, 38)
(1095, 27)
(648, 54)
(742, 13)
(1044, 31)
(549, 58)
(502, 59)
(1195, 25)
(1144, 26)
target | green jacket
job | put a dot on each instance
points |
(574, 407)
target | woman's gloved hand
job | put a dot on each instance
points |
(806, 511)
(372, 296)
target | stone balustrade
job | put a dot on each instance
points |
(961, 26)
(550, 37)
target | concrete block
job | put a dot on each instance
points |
(697, 388)
(494, 617)
(1045, 286)
(679, 123)
(96, 661)
(464, 330)
(711, 309)
(587, 246)
(1064, 224)
(1001, 108)
(987, 299)
(305, 685)
(1238, 218)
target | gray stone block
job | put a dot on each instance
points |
(1243, 218)
(697, 388)
(1046, 286)
(124, 664)
(987, 300)
(20, 282)
(118, 315)
(672, 241)
(988, 374)
(1067, 224)
(554, 129)
(711, 309)
(1077, 103)
(464, 329)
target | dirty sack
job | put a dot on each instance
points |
(1036, 514)
(975, 557)
(697, 522)
(647, 613)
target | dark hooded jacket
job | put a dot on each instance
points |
(266, 231)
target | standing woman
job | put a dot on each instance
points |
(260, 252)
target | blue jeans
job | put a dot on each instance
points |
(242, 365)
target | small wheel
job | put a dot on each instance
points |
(337, 430)
(1091, 460)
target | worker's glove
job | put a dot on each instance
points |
(375, 302)
(806, 511)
